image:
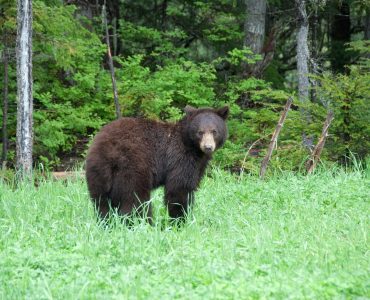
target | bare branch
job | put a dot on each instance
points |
(315, 156)
(274, 137)
(111, 67)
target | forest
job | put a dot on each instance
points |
(250, 55)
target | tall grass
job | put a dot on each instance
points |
(287, 237)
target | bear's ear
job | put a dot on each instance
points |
(223, 112)
(188, 109)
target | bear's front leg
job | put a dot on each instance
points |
(178, 201)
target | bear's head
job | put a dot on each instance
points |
(205, 128)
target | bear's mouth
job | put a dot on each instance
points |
(208, 151)
(207, 143)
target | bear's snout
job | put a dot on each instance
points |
(207, 143)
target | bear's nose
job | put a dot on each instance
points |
(208, 148)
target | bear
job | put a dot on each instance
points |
(130, 157)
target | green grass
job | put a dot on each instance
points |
(287, 237)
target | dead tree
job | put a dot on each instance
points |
(24, 86)
(111, 66)
(274, 138)
(315, 155)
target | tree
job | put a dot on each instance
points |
(254, 29)
(254, 26)
(303, 56)
(24, 86)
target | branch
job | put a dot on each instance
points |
(111, 67)
(274, 137)
(315, 156)
(247, 153)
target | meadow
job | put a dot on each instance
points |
(288, 237)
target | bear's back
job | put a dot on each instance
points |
(137, 146)
(129, 137)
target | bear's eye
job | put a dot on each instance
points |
(214, 132)
(200, 133)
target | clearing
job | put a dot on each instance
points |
(290, 236)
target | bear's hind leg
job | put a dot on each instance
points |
(131, 195)
(99, 181)
(102, 208)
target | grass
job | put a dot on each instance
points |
(288, 237)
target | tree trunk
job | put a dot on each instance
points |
(164, 14)
(24, 86)
(340, 35)
(303, 56)
(367, 25)
(115, 37)
(111, 66)
(254, 28)
(5, 108)
(113, 15)
(314, 26)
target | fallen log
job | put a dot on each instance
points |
(67, 175)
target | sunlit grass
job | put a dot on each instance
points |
(290, 236)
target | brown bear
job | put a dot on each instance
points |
(130, 157)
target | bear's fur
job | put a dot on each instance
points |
(129, 157)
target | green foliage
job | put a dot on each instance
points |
(162, 93)
(69, 99)
(272, 75)
(187, 29)
(348, 95)
(255, 108)
(150, 41)
(362, 48)
(226, 29)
